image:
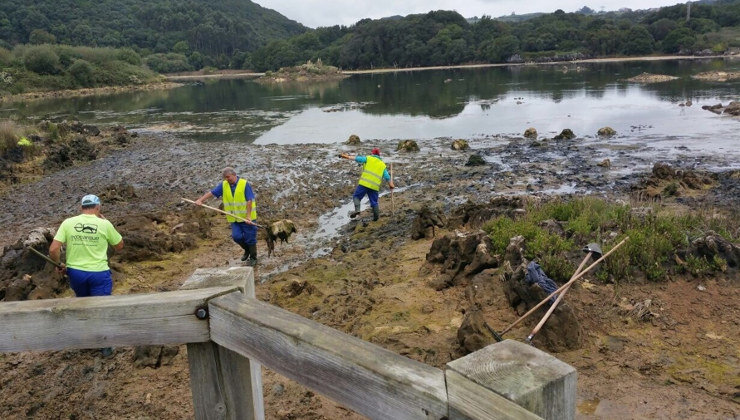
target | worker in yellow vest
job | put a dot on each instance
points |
(239, 200)
(373, 174)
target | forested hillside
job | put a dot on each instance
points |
(446, 38)
(206, 31)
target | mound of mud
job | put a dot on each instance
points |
(25, 275)
(562, 331)
(462, 255)
(151, 235)
(473, 215)
(667, 181)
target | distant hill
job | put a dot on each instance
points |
(211, 27)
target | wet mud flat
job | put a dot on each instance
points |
(301, 182)
(366, 278)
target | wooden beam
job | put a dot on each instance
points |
(517, 372)
(105, 321)
(469, 400)
(371, 380)
(225, 384)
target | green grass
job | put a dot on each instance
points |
(656, 237)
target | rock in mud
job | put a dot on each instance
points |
(353, 139)
(530, 133)
(154, 356)
(473, 334)
(459, 144)
(717, 108)
(427, 219)
(407, 146)
(566, 134)
(462, 255)
(475, 160)
(295, 288)
(606, 163)
(713, 245)
(733, 108)
(606, 132)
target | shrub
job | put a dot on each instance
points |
(168, 63)
(129, 56)
(41, 60)
(6, 57)
(82, 72)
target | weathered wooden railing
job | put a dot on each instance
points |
(229, 334)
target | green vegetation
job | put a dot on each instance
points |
(56, 67)
(309, 70)
(659, 238)
(446, 38)
(209, 32)
(14, 144)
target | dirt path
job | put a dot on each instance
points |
(372, 280)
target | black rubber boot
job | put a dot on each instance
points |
(357, 208)
(376, 213)
(252, 260)
(246, 251)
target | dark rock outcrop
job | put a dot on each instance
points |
(461, 255)
(426, 221)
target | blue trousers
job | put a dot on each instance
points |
(244, 234)
(371, 194)
(90, 283)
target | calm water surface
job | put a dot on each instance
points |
(467, 103)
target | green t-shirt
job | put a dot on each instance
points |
(87, 237)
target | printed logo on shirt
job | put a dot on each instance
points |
(86, 228)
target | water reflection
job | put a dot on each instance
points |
(458, 103)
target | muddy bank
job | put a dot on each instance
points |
(374, 279)
(28, 96)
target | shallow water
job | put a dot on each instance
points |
(477, 104)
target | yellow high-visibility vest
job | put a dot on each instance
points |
(236, 203)
(372, 173)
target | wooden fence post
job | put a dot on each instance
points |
(533, 379)
(225, 385)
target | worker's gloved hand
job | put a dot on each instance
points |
(61, 269)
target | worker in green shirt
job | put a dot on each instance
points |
(87, 237)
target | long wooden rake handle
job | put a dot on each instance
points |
(561, 288)
(223, 212)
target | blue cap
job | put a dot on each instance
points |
(90, 200)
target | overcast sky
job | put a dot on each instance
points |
(314, 13)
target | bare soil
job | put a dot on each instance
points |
(675, 356)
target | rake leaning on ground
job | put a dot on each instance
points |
(577, 275)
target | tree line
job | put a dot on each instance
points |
(217, 33)
(446, 38)
(182, 35)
